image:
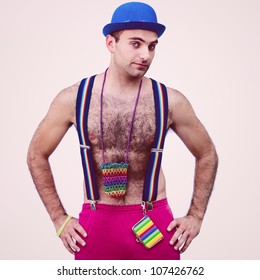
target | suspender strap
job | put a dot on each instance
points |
(155, 158)
(154, 162)
(82, 109)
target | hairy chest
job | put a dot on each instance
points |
(116, 121)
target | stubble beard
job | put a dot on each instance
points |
(138, 72)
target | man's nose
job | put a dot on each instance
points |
(144, 54)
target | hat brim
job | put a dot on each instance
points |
(151, 26)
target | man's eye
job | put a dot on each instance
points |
(135, 44)
(152, 47)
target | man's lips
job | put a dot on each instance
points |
(141, 64)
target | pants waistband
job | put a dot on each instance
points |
(124, 208)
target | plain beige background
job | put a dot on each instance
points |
(210, 52)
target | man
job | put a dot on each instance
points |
(118, 120)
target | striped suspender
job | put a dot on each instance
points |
(82, 108)
(154, 163)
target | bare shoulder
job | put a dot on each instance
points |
(180, 109)
(67, 96)
(65, 103)
(175, 97)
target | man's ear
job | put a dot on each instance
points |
(110, 43)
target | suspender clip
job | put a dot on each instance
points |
(147, 206)
(156, 150)
(93, 205)
(143, 207)
(85, 147)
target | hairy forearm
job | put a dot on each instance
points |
(43, 179)
(205, 173)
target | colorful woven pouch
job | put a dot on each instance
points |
(114, 178)
(147, 232)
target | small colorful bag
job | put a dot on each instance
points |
(115, 178)
(147, 232)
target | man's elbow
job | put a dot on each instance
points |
(30, 157)
(34, 157)
(212, 156)
(209, 155)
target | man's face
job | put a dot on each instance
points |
(134, 52)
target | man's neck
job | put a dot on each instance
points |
(121, 81)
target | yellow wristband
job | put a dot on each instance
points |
(63, 226)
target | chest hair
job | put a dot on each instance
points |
(117, 116)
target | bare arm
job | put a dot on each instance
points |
(45, 140)
(190, 130)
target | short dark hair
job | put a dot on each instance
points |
(116, 35)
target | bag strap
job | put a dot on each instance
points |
(154, 162)
(82, 109)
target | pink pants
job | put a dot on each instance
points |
(110, 235)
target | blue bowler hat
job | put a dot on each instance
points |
(134, 15)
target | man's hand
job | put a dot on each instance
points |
(70, 235)
(187, 228)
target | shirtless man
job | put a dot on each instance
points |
(105, 232)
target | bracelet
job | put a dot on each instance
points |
(63, 226)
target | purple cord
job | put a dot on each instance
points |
(132, 122)
(101, 113)
(101, 118)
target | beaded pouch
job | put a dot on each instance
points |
(114, 178)
(147, 232)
